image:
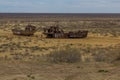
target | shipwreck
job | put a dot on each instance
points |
(28, 31)
(57, 32)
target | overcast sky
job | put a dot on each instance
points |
(60, 6)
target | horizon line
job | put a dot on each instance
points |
(60, 13)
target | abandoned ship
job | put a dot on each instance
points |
(29, 30)
(51, 32)
(56, 32)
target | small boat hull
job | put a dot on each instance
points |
(22, 32)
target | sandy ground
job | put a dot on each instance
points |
(77, 71)
(21, 70)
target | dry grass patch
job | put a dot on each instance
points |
(67, 55)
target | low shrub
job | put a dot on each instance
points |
(67, 55)
(103, 71)
(118, 58)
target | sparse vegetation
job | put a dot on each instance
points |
(103, 71)
(92, 56)
(67, 55)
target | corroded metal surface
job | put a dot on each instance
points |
(29, 30)
(56, 32)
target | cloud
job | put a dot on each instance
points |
(95, 3)
(59, 5)
(20, 3)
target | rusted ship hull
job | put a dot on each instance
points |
(82, 34)
(28, 31)
(79, 34)
(22, 32)
(56, 32)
